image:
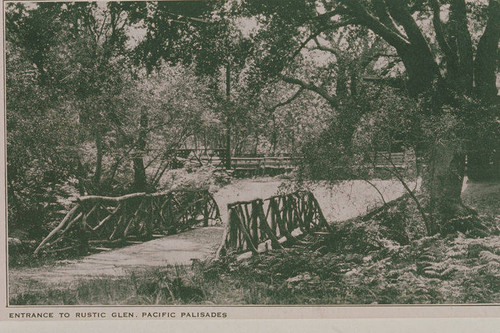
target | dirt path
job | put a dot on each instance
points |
(338, 203)
(180, 249)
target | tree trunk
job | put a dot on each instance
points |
(442, 185)
(139, 175)
(256, 145)
(140, 184)
(99, 155)
(485, 64)
(478, 163)
(228, 117)
(445, 167)
(274, 136)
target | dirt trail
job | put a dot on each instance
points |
(339, 202)
(180, 249)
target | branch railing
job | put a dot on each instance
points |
(254, 225)
(101, 221)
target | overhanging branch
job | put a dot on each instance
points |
(288, 101)
(333, 50)
(438, 28)
(316, 33)
(371, 22)
(312, 87)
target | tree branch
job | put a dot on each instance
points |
(319, 31)
(288, 101)
(333, 50)
(399, 11)
(487, 53)
(381, 11)
(392, 37)
(414, 51)
(310, 86)
(440, 37)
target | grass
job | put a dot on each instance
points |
(170, 285)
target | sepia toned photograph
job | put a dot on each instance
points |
(251, 152)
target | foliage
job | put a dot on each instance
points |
(80, 125)
(200, 177)
(37, 159)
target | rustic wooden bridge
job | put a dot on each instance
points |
(99, 222)
(259, 225)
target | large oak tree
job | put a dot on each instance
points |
(449, 50)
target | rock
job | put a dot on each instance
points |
(265, 246)
(299, 278)
(244, 256)
(14, 241)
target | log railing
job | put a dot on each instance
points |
(101, 221)
(255, 225)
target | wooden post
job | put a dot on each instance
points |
(246, 235)
(281, 225)
(265, 229)
(205, 213)
(228, 117)
(254, 220)
(233, 232)
(272, 214)
(322, 219)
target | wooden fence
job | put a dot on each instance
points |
(383, 159)
(103, 221)
(217, 158)
(262, 163)
(255, 224)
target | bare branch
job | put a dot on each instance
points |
(333, 50)
(289, 100)
(376, 189)
(310, 86)
(321, 30)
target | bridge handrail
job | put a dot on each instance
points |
(103, 219)
(262, 222)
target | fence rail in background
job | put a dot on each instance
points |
(263, 163)
(383, 159)
(216, 157)
(102, 221)
(254, 225)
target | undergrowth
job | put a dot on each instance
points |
(428, 271)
